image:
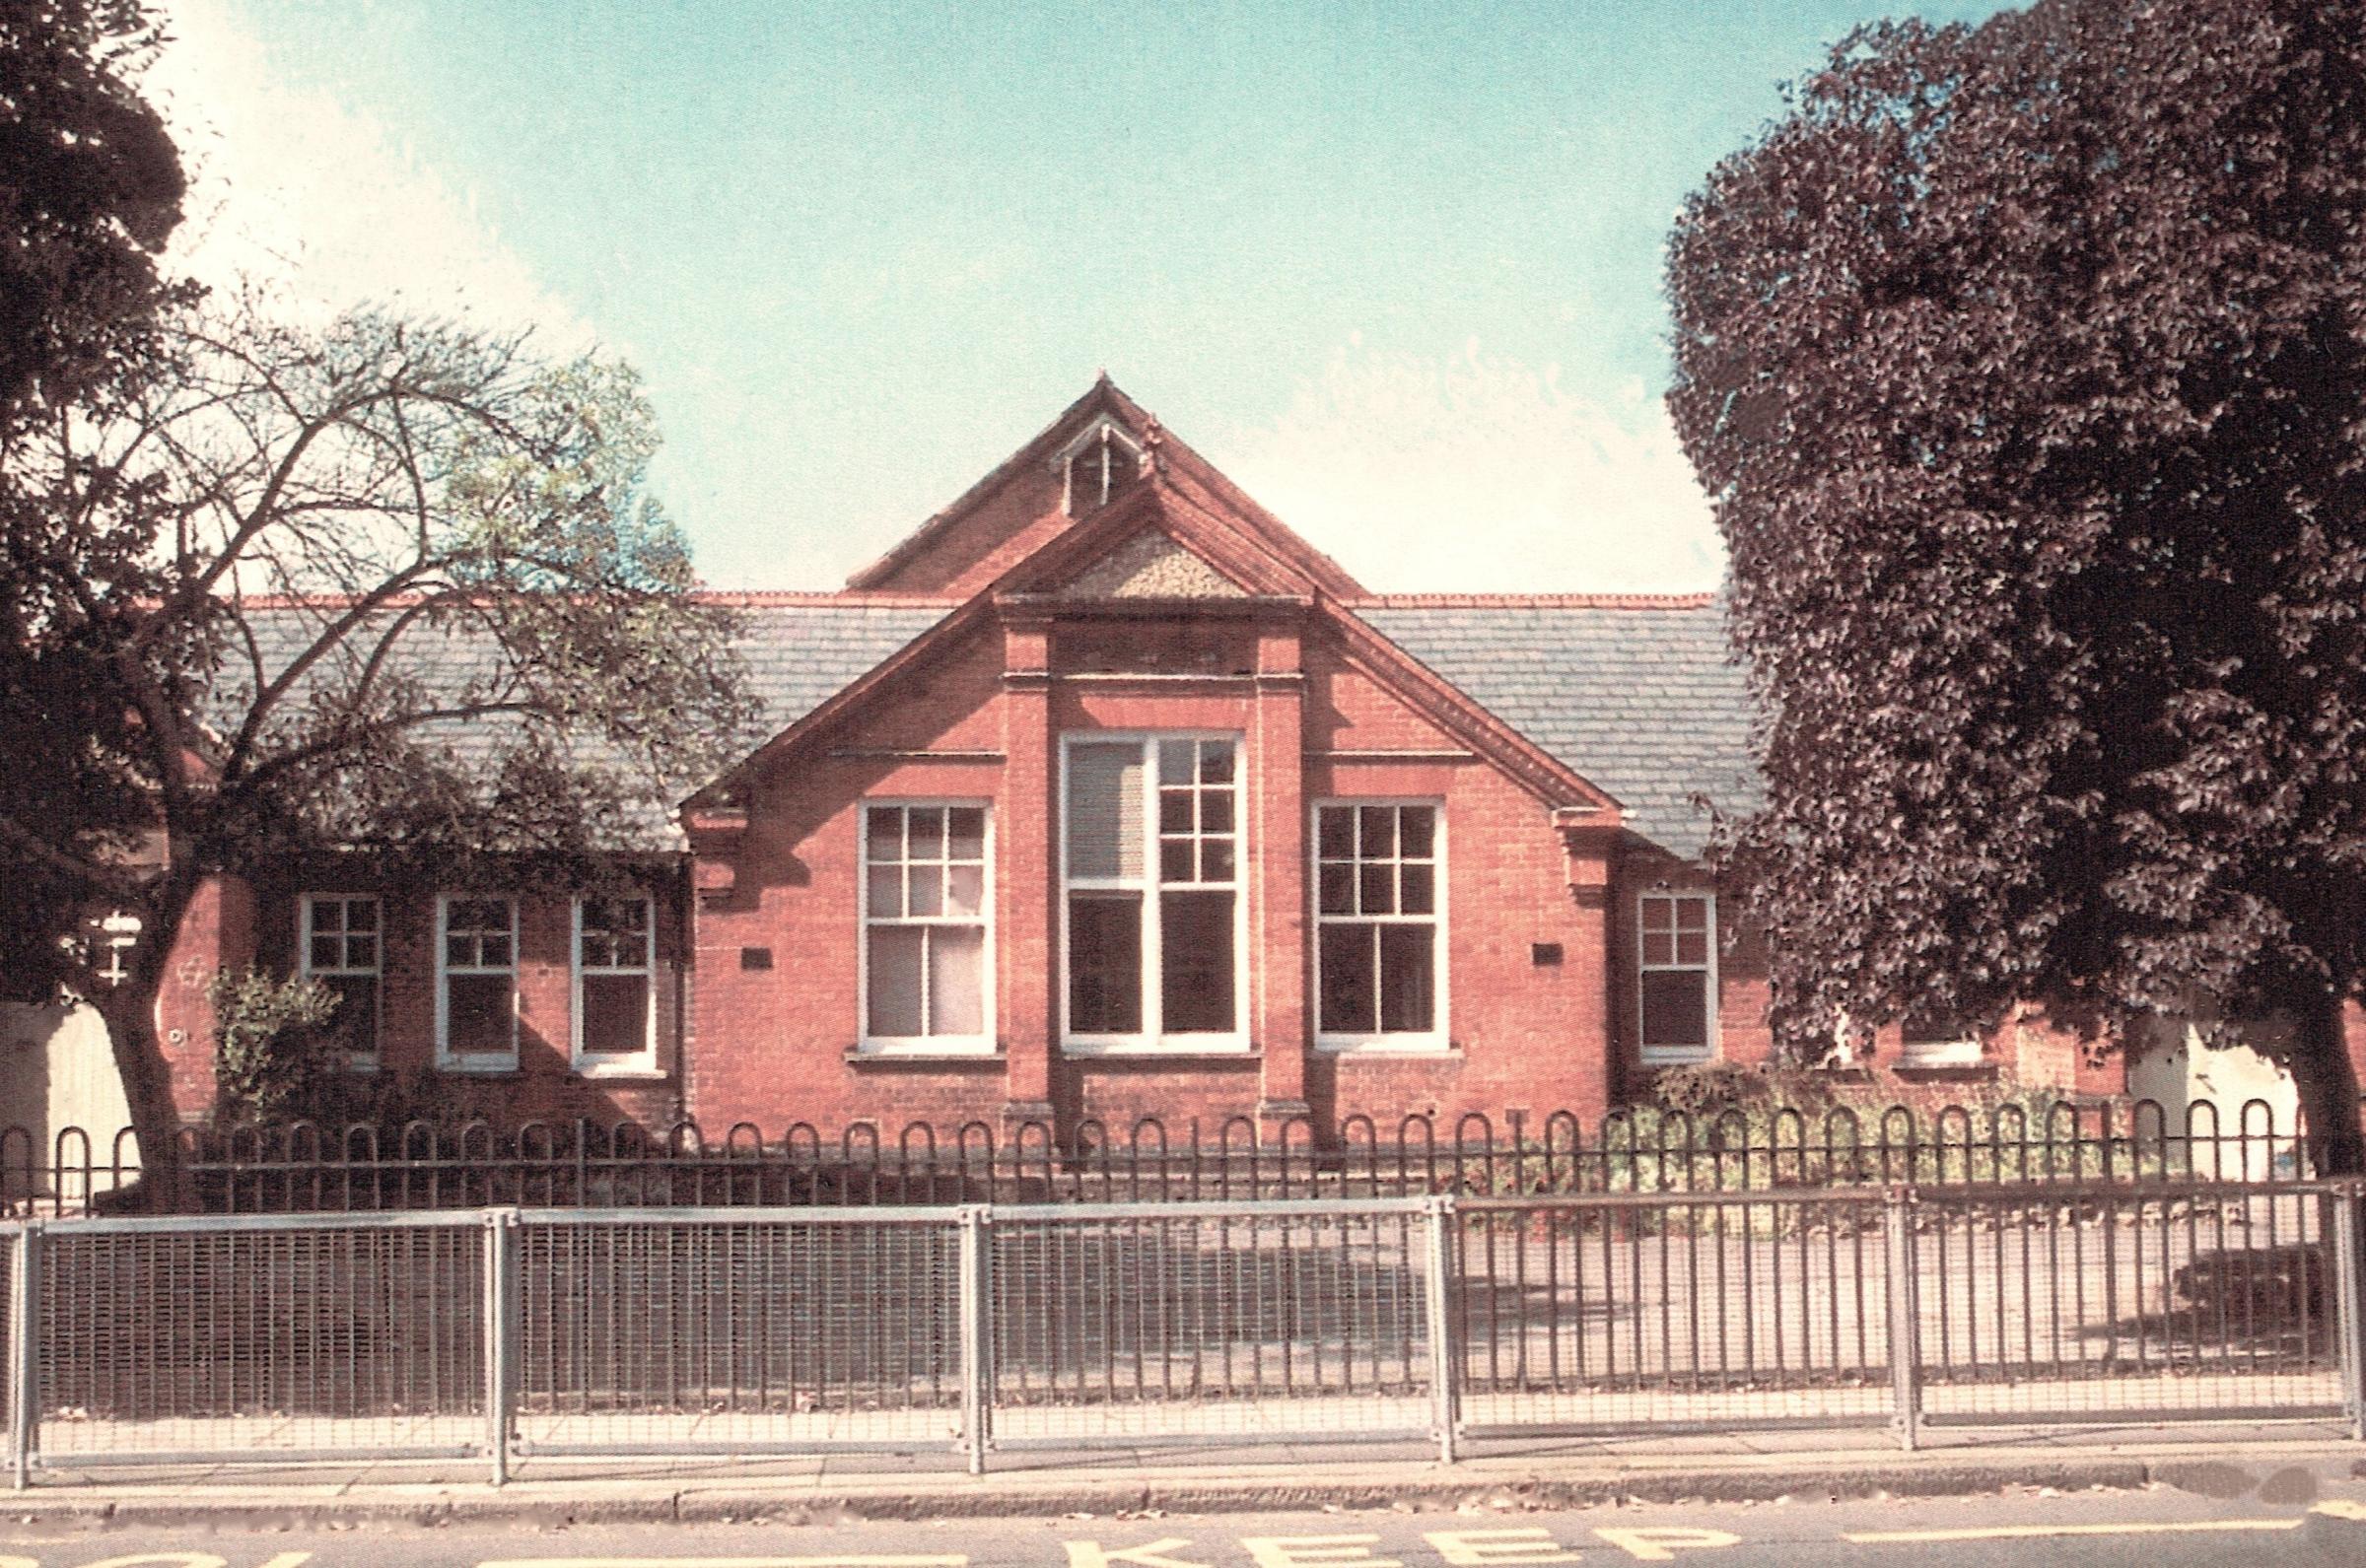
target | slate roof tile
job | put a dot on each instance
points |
(1642, 700)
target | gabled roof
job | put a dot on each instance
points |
(1630, 700)
(798, 649)
(1188, 478)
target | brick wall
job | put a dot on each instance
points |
(779, 1043)
(234, 922)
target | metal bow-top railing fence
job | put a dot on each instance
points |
(307, 1167)
(505, 1335)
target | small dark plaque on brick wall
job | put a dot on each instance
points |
(1544, 955)
(755, 958)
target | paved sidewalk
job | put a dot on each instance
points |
(2227, 1463)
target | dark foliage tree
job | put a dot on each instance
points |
(2026, 365)
(385, 586)
(90, 189)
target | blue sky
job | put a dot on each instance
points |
(1395, 268)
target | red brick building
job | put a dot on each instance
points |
(1104, 794)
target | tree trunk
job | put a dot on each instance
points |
(2328, 1086)
(130, 1014)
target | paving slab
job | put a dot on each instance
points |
(1756, 1466)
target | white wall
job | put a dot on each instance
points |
(57, 1070)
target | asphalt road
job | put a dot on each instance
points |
(2159, 1528)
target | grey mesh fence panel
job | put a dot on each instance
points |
(14, 1351)
(764, 1330)
(2151, 1304)
(1209, 1323)
(1633, 1313)
(1164, 1323)
(174, 1339)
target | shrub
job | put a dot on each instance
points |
(274, 1054)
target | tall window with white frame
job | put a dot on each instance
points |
(615, 997)
(926, 915)
(1379, 934)
(1677, 985)
(476, 983)
(1152, 865)
(339, 946)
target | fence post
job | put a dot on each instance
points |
(2350, 1296)
(501, 1336)
(24, 1351)
(1906, 1318)
(977, 1333)
(1445, 1412)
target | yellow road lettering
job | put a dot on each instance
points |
(2183, 1527)
(1662, 1542)
(958, 1560)
(162, 1559)
(1499, 1548)
(2341, 1508)
(1314, 1552)
(1150, 1554)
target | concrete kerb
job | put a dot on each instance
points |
(1505, 1486)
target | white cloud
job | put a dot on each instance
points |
(1482, 474)
(313, 200)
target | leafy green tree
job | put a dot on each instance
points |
(90, 189)
(2026, 365)
(387, 586)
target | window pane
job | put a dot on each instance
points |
(328, 952)
(886, 837)
(926, 889)
(1195, 966)
(361, 915)
(926, 841)
(615, 1013)
(478, 1012)
(1659, 947)
(460, 950)
(1335, 832)
(1408, 961)
(1924, 1027)
(478, 914)
(1377, 832)
(886, 892)
(1174, 861)
(493, 951)
(328, 915)
(956, 980)
(1104, 810)
(1216, 811)
(1104, 965)
(1337, 889)
(1691, 914)
(1676, 1008)
(1176, 761)
(1216, 861)
(1417, 828)
(965, 828)
(1215, 762)
(1174, 810)
(354, 1025)
(1692, 947)
(965, 890)
(895, 952)
(1347, 1001)
(1378, 891)
(360, 952)
(1418, 889)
